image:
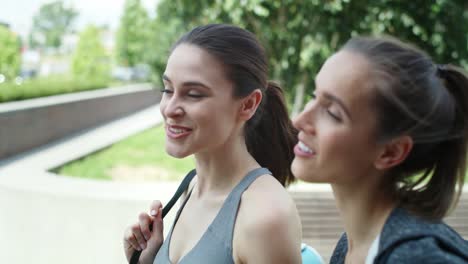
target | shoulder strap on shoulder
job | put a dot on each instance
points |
(182, 187)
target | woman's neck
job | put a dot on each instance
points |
(364, 208)
(218, 171)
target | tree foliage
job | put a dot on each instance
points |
(300, 35)
(53, 20)
(132, 34)
(90, 60)
(9, 53)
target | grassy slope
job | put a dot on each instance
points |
(144, 150)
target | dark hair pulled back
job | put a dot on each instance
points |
(269, 134)
(429, 102)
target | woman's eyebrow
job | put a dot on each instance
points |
(189, 83)
(199, 84)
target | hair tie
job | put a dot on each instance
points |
(441, 70)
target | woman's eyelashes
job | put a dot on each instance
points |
(326, 105)
(190, 93)
(331, 110)
(333, 115)
(195, 94)
(167, 91)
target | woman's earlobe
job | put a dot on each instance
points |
(394, 152)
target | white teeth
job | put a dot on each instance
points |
(304, 148)
(177, 130)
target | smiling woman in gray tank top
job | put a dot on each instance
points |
(218, 105)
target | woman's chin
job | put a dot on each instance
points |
(300, 172)
(178, 154)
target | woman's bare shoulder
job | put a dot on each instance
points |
(267, 215)
(267, 201)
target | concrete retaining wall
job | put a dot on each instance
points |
(32, 123)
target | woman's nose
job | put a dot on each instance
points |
(172, 107)
(305, 120)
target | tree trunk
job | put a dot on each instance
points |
(299, 96)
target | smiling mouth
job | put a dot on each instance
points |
(304, 148)
(176, 132)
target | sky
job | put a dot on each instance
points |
(19, 13)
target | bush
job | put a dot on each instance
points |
(46, 86)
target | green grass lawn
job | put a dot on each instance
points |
(141, 157)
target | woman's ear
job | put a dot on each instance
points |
(394, 152)
(250, 104)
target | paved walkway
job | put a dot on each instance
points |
(46, 218)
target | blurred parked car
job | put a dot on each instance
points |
(30, 64)
(28, 73)
(139, 72)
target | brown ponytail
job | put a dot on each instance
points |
(429, 103)
(270, 135)
(446, 173)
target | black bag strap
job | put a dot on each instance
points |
(182, 187)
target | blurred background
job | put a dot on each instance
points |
(81, 149)
(129, 40)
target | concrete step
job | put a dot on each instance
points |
(322, 226)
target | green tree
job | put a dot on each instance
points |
(90, 60)
(173, 18)
(9, 53)
(300, 35)
(133, 34)
(53, 20)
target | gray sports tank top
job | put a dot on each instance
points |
(215, 245)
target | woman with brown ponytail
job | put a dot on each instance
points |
(388, 129)
(218, 105)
